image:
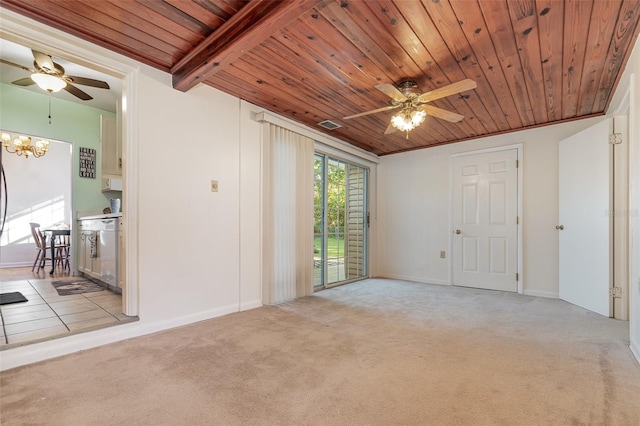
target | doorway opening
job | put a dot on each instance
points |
(121, 79)
(592, 223)
(340, 222)
(33, 190)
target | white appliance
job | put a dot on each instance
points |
(100, 250)
(108, 250)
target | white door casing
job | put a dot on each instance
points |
(620, 217)
(485, 220)
(584, 206)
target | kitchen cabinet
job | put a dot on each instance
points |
(110, 147)
(111, 184)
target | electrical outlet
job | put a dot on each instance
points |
(443, 254)
(214, 186)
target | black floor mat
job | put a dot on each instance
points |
(15, 297)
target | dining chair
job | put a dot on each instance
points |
(63, 251)
(41, 246)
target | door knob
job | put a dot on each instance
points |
(559, 227)
(458, 231)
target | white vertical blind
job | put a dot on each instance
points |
(287, 215)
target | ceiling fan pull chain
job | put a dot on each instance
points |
(49, 107)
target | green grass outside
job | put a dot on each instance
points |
(335, 247)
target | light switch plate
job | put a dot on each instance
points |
(214, 186)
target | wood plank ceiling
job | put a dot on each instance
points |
(535, 62)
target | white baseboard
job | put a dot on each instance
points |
(529, 292)
(635, 349)
(413, 279)
(16, 264)
(542, 293)
(250, 305)
(35, 352)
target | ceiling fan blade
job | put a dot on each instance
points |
(24, 82)
(390, 129)
(87, 82)
(387, 108)
(43, 60)
(451, 89)
(391, 91)
(18, 66)
(442, 113)
(77, 92)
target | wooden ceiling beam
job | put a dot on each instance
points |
(254, 23)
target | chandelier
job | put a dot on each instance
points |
(408, 119)
(21, 145)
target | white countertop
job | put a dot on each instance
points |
(101, 216)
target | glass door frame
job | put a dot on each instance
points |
(326, 157)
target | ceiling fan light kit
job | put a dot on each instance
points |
(407, 96)
(51, 76)
(49, 82)
(408, 119)
(21, 145)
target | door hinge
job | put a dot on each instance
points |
(517, 276)
(517, 220)
(517, 163)
(615, 292)
(368, 220)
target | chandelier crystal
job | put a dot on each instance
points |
(21, 145)
(408, 119)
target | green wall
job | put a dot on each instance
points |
(27, 112)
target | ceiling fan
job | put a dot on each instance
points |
(51, 77)
(415, 105)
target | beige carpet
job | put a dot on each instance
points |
(377, 352)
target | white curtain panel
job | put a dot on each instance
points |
(287, 215)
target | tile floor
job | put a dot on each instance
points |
(47, 315)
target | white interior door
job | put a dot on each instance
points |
(485, 220)
(584, 191)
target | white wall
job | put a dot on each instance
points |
(188, 235)
(414, 203)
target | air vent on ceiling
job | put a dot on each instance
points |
(327, 124)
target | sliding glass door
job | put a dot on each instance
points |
(340, 222)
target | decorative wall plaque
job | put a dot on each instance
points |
(88, 163)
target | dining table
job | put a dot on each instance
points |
(54, 232)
